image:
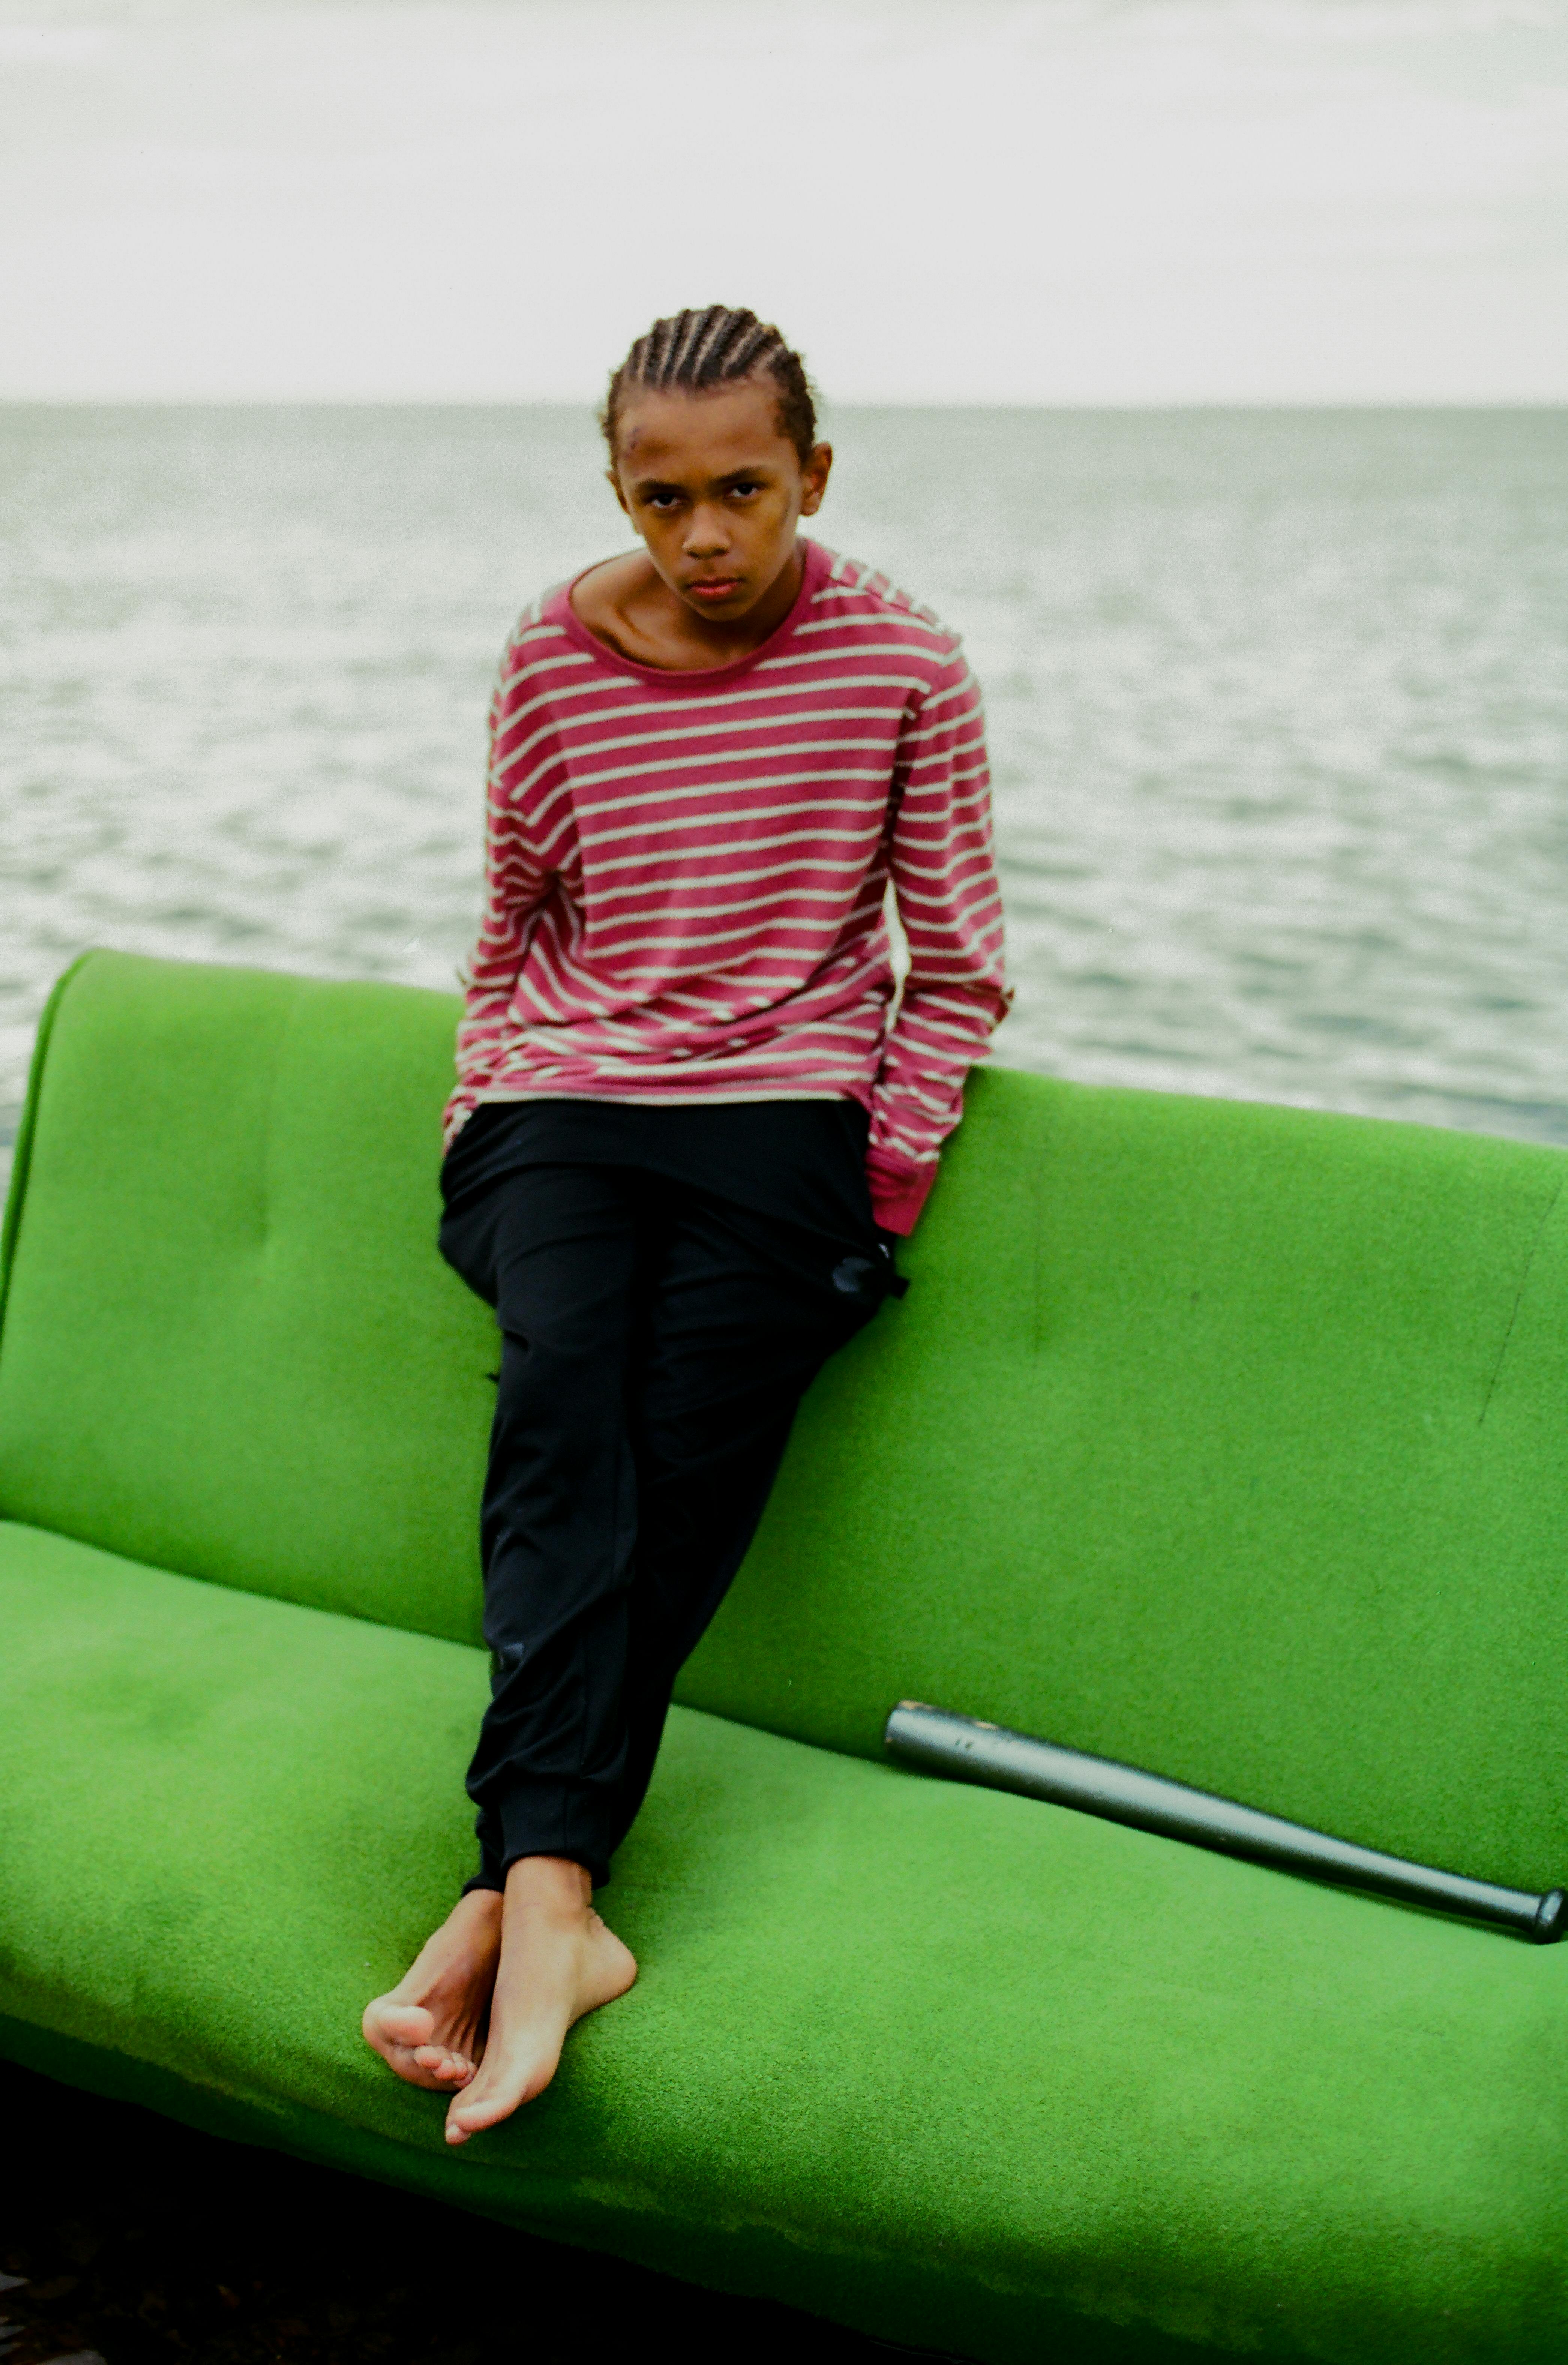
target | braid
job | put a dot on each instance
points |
(655, 349)
(691, 351)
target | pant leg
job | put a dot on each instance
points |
(656, 1345)
(745, 1311)
(563, 1253)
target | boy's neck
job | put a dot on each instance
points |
(626, 604)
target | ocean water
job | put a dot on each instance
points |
(1277, 701)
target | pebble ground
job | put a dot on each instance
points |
(128, 2240)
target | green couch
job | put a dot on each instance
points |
(1225, 1438)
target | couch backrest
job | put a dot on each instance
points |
(229, 1344)
(1230, 1439)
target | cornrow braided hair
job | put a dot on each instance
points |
(690, 351)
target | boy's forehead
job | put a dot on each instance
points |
(707, 433)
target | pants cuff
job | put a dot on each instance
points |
(541, 1819)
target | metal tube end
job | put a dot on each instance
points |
(1550, 1922)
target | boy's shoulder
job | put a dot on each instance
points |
(862, 598)
(539, 634)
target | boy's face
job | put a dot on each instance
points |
(716, 490)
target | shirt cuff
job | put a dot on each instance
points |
(899, 1191)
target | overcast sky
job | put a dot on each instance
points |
(1077, 201)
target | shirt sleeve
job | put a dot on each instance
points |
(949, 902)
(516, 884)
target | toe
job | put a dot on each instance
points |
(444, 2062)
(461, 2124)
(498, 2100)
(435, 2081)
(405, 2024)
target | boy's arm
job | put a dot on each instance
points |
(943, 875)
(515, 884)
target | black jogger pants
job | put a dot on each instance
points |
(655, 1342)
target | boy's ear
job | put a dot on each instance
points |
(816, 473)
(612, 479)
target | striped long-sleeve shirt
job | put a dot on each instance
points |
(686, 874)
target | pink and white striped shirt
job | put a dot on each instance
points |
(686, 874)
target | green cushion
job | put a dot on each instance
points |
(1227, 1438)
(971, 2071)
(229, 1345)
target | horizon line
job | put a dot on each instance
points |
(1131, 408)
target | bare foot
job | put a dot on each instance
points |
(429, 2027)
(558, 1961)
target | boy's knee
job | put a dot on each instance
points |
(560, 1375)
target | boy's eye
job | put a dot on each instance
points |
(745, 485)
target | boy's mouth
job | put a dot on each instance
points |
(714, 587)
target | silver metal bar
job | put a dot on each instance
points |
(968, 1750)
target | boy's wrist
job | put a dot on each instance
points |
(899, 1191)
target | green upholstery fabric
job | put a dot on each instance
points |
(933, 2060)
(1231, 1441)
(1228, 1440)
(229, 1346)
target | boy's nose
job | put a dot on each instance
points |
(707, 534)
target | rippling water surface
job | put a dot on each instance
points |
(1279, 709)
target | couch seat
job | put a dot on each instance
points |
(972, 2072)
